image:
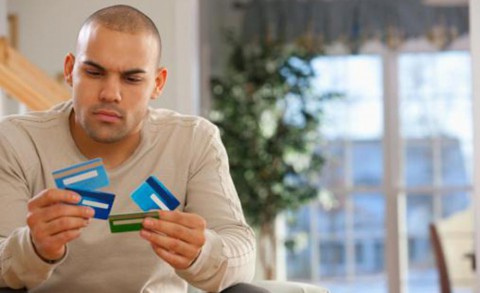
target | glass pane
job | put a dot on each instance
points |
(421, 271)
(369, 214)
(367, 163)
(418, 163)
(435, 94)
(419, 215)
(454, 202)
(332, 258)
(332, 222)
(298, 261)
(456, 167)
(358, 112)
(298, 244)
(331, 225)
(333, 172)
(454, 116)
(369, 233)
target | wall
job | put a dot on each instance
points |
(474, 47)
(215, 17)
(48, 30)
(3, 17)
(3, 33)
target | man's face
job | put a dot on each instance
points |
(113, 77)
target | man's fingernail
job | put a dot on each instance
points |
(148, 222)
(76, 197)
(90, 212)
(145, 233)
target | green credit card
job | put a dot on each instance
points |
(129, 222)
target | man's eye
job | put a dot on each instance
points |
(93, 72)
(133, 79)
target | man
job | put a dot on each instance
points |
(49, 244)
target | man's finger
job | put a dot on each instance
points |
(42, 217)
(52, 196)
(174, 230)
(174, 245)
(64, 224)
(185, 219)
(60, 210)
(177, 261)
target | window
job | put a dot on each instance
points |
(339, 241)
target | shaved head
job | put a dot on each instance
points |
(124, 18)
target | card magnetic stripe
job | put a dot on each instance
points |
(87, 175)
(167, 197)
(147, 198)
(77, 168)
(129, 222)
(101, 202)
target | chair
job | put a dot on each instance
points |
(279, 287)
(272, 286)
(452, 242)
(289, 287)
(445, 286)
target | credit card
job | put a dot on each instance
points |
(153, 195)
(88, 175)
(129, 222)
(101, 202)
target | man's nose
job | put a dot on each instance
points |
(111, 91)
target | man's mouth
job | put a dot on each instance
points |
(109, 116)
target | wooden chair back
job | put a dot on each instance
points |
(443, 276)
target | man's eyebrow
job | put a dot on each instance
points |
(134, 71)
(127, 72)
(91, 63)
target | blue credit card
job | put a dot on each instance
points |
(88, 175)
(101, 202)
(153, 195)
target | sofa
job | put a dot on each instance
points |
(272, 286)
(290, 287)
(280, 287)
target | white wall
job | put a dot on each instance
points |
(3, 33)
(48, 30)
(3, 18)
(474, 47)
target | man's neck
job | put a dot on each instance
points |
(113, 154)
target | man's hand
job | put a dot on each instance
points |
(54, 221)
(176, 237)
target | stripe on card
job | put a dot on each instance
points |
(95, 204)
(127, 221)
(77, 169)
(158, 202)
(80, 177)
(133, 215)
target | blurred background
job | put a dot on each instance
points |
(354, 119)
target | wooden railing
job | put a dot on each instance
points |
(25, 82)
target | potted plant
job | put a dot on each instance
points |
(269, 119)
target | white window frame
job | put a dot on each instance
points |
(396, 246)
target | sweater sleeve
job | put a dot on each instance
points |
(20, 266)
(228, 256)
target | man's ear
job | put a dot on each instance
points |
(160, 80)
(68, 68)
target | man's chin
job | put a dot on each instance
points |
(106, 138)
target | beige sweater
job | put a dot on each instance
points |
(184, 152)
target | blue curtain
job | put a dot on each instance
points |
(352, 21)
